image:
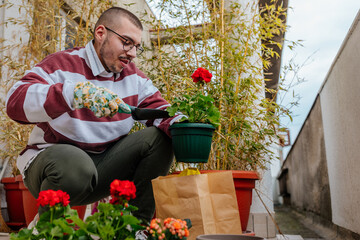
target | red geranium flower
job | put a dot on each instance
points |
(201, 74)
(124, 189)
(51, 198)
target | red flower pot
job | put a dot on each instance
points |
(244, 182)
(29, 202)
(14, 199)
(22, 205)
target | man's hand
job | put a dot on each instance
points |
(101, 101)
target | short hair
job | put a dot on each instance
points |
(109, 17)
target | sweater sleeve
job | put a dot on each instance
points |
(150, 97)
(39, 97)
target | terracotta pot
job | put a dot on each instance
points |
(29, 202)
(14, 199)
(244, 184)
(22, 204)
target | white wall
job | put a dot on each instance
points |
(340, 104)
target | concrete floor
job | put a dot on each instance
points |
(291, 224)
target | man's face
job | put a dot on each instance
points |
(111, 46)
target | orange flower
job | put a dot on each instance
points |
(154, 224)
(171, 229)
(177, 225)
(186, 232)
(168, 220)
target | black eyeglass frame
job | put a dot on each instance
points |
(139, 49)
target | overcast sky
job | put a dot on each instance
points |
(322, 25)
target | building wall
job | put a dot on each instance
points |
(307, 182)
(341, 113)
(321, 172)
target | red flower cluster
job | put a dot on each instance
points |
(125, 189)
(201, 74)
(51, 198)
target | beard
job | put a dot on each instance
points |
(106, 53)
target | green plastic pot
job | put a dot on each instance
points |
(192, 141)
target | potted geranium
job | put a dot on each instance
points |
(54, 223)
(192, 135)
(113, 220)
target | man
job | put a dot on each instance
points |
(80, 144)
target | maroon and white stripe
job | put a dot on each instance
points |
(45, 94)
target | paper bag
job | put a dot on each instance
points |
(208, 200)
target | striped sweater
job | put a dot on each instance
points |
(45, 95)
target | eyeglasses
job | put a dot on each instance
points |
(128, 44)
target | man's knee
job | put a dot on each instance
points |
(68, 168)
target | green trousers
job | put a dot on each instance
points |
(86, 177)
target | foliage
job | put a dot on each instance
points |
(14, 138)
(235, 43)
(54, 223)
(113, 220)
(198, 107)
(40, 20)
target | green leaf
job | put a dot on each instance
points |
(23, 234)
(129, 238)
(56, 231)
(129, 219)
(77, 221)
(65, 226)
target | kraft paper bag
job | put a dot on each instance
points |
(208, 200)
